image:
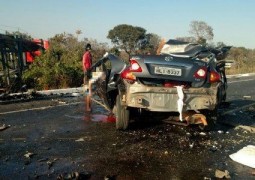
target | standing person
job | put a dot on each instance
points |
(86, 63)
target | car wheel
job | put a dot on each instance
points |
(223, 97)
(122, 115)
(211, 118)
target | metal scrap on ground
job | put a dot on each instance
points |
(3, 127)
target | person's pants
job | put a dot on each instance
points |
(87, 76)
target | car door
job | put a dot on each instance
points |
(106, 85)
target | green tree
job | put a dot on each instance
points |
(61, 65)
(201, 31)
(127, 37)
(151, 44)
(57, 67)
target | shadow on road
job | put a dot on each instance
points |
(239, 112)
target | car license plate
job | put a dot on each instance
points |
(167, 71)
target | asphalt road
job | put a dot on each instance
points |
(241, 86)
(57, 139)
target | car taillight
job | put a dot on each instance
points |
(135, 67)
(201, 73)
(128, 73)
(214, 77)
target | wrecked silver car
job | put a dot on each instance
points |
(185, 79)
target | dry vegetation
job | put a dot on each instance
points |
(244, 60)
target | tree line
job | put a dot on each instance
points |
(60, 66)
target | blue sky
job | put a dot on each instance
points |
(233, 21)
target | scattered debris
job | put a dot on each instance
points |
(109, 177)
(42, 160)
(29, 155)
(246, 97)
(213, 148)
(74, 175)
(3, 127)
(191, 145)
(220, 132)
(251, 108)
(222, 174)
(207, 178)
(76, 94)
(202, 134)
(245, 156)
(247, 128)
(80, 140)
(50, 164)
(62, 102)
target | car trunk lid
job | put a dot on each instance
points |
(171, 68)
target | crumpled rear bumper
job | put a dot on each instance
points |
(164, 99)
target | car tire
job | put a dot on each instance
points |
(211, 118)
(122, 115)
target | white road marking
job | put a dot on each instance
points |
(39, 108)
(240, 81)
